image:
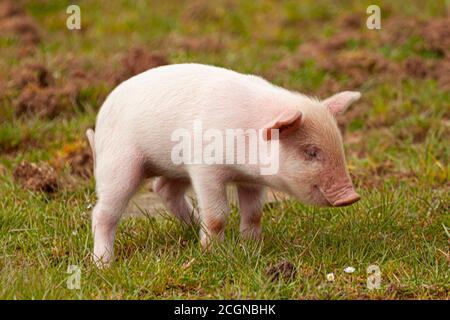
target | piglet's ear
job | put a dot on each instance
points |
(288, 122)
(340, 101)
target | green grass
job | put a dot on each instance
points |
(402, 231)
(396, 144)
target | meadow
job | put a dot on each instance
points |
(53, 81)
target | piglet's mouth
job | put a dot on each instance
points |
(341, 198)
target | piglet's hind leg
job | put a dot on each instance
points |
(173, 193)
(117, 180)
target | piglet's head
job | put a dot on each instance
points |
(312, 160)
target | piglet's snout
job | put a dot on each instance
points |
(342, 197)
(347, 200)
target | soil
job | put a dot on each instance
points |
(353, 21)
(14, 21)
(9, 9)
(138, 60)
(32, 73)
(360, 64)
(41, 95)
(283, 269)
(437, 69)
(41, 90)
(39, 102)
(36, 177)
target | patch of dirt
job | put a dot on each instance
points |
(15, 21)
(9, 8)
(349, 62)
(74, 77)
(36, 177)
(437, 69)
(339, 57)
(46, 90)
(320, 50)
(78, 157)
(41, 94)
(442, 73)
(358, 65)
(138, 60)
(32, 73)
(416, 67)
(36, 101)
(282, 270)
(436, 34)
(353, 21)
(397, 31)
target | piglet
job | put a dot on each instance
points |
(134, 140)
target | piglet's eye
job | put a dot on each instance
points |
(312, 153)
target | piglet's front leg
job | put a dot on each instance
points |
(213, 204)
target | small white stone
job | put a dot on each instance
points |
(349, 270)
(330, 277)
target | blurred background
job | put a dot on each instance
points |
(53, 79)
